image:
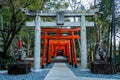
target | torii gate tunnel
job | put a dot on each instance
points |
(63, 40)
(59, 42)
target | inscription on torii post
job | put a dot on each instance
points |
(60, 18)
(60, 15)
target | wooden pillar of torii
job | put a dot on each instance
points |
(38, 24)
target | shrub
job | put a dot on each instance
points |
(5, 61)
(118, 63)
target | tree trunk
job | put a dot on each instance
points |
(96, 26)
(6, 47)
(97, 29)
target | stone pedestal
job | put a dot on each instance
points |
(102, 68)
(19, 68)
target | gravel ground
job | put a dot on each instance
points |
(49, 66)
(42, 74)
(31, 76)
(80, 73)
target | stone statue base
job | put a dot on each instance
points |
(19, 68)
(102, 68)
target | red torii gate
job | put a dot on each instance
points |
(59, 41)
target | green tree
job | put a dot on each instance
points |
(56, 4)
(15, 19)
(104, 21)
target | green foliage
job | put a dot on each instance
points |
(15, 19)
(57, 4)
(105, 9)
(118, 22)
(37, 4)
(104, 21)
(118, 63)
(77, 48)
(5, 61)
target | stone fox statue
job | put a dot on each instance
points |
(101, 55)
(19, 55)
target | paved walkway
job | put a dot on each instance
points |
(60, 71)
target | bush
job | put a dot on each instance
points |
(5, 61)
(118, 63)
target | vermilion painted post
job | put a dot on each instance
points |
(74, 50)
(55, 51)
(67, 51)
(64, 50)
(69, 57)
(49, 53)
(44, 50)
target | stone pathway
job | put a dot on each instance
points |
(60, 71)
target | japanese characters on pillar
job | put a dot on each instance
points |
(60, 18)
(37, 44)
(83, 43)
